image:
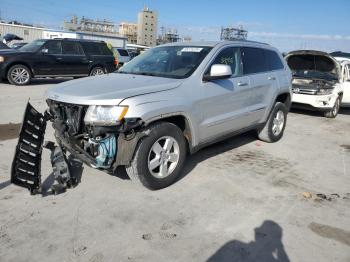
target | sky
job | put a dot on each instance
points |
(286, 24)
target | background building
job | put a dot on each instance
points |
(90, 25)
(129, 30)
(27, 32)
(232, 33)
(168, 36)
(147, 27)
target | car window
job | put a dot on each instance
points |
(122, 52)
(254, 60)
(105, 50)
(72, 48)
(92, 48)
(229, 56)
(54, 47)
(274, 60)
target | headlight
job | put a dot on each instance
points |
(105, 115)
(323, 91)
(2, 59)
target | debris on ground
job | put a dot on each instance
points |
(321, 196)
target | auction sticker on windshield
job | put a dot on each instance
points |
(192, 49)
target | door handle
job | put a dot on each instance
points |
(271, 78)
(58, 58)
(242, 84)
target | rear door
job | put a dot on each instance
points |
(224, 103)
(74, 60)
(263, 81)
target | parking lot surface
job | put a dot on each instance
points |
(237, 200)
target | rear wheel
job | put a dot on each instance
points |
(159, 157)
(335, 110)
(275, 125)
(97, 70)
(19, 75)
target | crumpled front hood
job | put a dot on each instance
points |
(109, 89)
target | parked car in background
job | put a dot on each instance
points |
(345, 64)
(18, 45)
(318, 81)
(56, 58)
(122, 55)
(3, 46)
(171, 100)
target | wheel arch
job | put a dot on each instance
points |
(181, 121)
(285, 98)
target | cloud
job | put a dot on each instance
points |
(298, 36)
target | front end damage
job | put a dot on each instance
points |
(99, 146)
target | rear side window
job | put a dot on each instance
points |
(97, 49)
(54, 47)
(254, 60)
(274, 60)
(72, 48)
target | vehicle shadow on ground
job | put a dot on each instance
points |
(45, 81)
(218, 148)
(5, 184)
(76, 169)
(344, 111)
(306, 112)
(205, 153)
(267, 246)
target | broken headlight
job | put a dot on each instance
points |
(324, 91)
(105, 115)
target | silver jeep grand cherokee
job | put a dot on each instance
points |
(171, 100)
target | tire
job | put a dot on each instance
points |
(157, 176)
(335, 110)
(97, 70)
(275, 125)
(19, 75)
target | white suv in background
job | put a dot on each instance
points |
(319, 81)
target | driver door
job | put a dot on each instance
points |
(223, 103)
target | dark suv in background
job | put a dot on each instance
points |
(56, 58)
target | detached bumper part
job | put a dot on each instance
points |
(25, 171)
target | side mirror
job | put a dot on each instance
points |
(218, 71)
(44, 51)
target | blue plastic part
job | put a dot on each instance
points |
(107, 150)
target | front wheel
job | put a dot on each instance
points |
(275, 125)
(334, 111)
(19, 75)
(159, 157)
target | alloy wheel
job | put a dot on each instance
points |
(278, 123)
(163, 157)
(20, 75)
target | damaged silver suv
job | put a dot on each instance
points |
(170, 101)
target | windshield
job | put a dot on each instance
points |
(32, 46)
(167, 61)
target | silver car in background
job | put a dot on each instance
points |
(170, 101)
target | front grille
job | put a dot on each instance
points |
(69, 117)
